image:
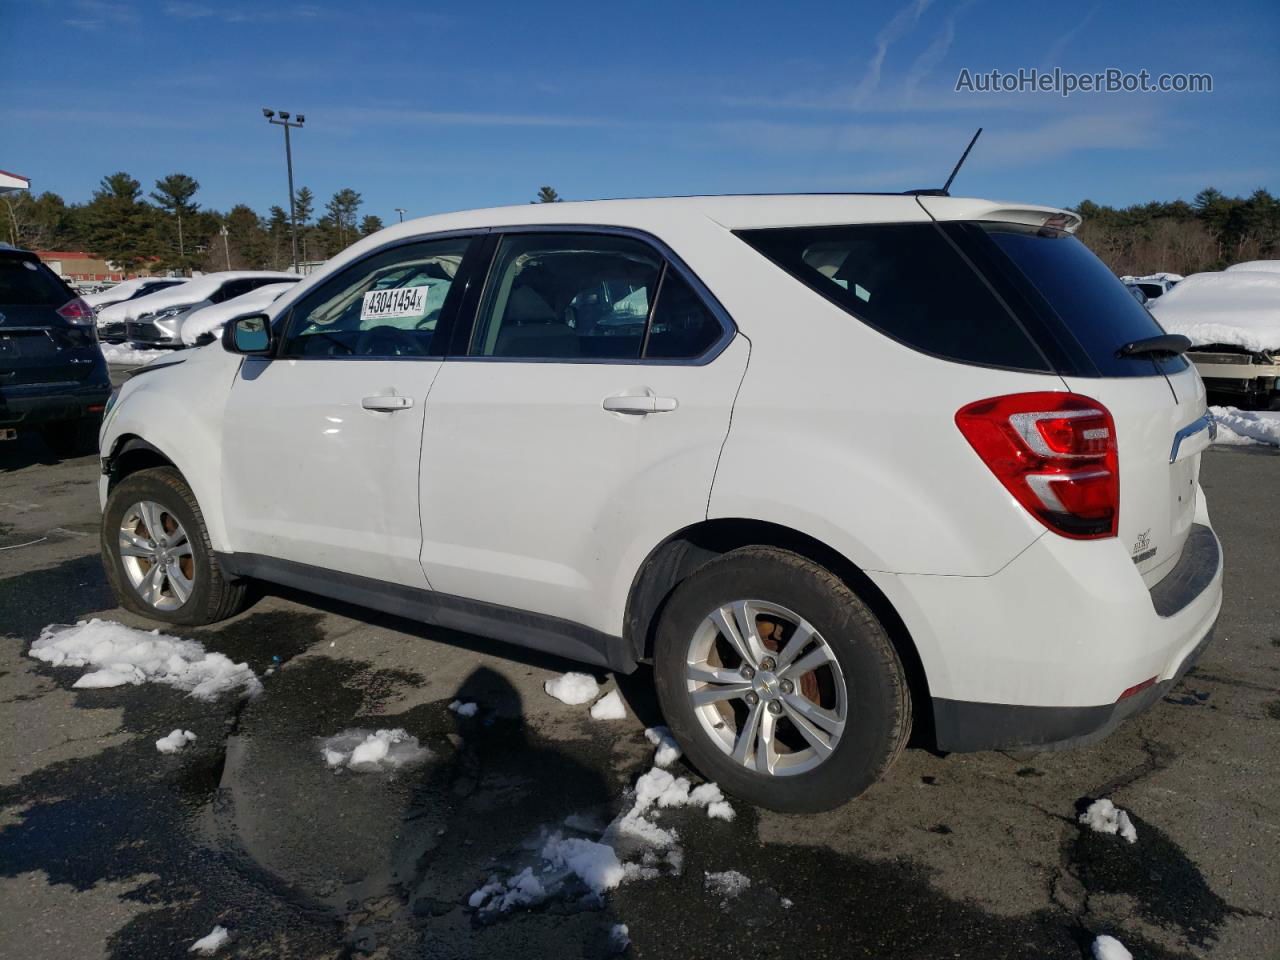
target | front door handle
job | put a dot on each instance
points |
(388, 404)
(640, 405)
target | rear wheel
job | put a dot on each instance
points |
(157, 553)
(779, 682)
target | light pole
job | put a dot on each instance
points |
(226, 246)
(288, 159)
(401, 211)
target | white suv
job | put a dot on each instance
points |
(833, 464)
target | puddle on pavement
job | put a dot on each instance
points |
(248, 828)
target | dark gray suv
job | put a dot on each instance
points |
(52, 375)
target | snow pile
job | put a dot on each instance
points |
(633, 847)
(726, 885)
(175, 741)
(1109, 948)
(573, 688)
(609, 707)
(1256, 266)
(1246, 427)
(125, 355)
(209, 944)
(619, 937)
(464, 709)
(1103, 816)
(124, 655)
(1239, 308)
(366, 751)
(668, 751)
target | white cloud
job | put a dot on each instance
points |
(901, 24)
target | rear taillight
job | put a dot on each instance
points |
(78, 312)
(1056, 453)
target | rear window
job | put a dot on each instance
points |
(25, 283)
(909, 282)
(1066, 286)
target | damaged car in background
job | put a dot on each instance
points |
(1233, 320)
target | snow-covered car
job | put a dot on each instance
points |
(1233, 320)
(205, 325)
(978, 495)
(1155, 285)
(1255, 266)
(156, 320)
(111, 325)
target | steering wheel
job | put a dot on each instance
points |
(385, 341)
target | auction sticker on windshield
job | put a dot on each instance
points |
(389, 304)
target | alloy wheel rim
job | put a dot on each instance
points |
(766, 687)
(156, 555)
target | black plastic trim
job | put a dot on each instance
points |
(1195, 570)
(536, 631)
(965, 726)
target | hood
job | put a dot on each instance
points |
(1235, 307)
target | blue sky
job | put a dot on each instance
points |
(442, 107)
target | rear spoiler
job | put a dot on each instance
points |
(963, 208)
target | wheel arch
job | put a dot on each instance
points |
(129, 454)
(684, 552)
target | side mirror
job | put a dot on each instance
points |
(250, 336)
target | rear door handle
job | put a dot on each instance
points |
(388, 404)
(640, 405)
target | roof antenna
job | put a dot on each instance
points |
(946, 187)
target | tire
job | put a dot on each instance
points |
(73, 438)
(851, 646)
(210, 595)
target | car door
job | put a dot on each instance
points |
(321, 441)
(580, 428)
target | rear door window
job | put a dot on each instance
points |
(909, 282)
(25, 283)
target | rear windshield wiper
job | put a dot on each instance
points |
(1165, 345)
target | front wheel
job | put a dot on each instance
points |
(779, 682)
(157, 553)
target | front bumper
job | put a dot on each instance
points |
(150, 334)
(30, 405)
(1041, 654)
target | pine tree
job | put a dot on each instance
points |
(547, 195)
(370, 224)
(173, 195)
(119, 223)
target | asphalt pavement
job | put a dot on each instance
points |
(110, 849)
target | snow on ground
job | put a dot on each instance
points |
(726, 885)
(609, 707)
(1103, 816)
(175, 741)
(367, 751)
(1240, 308)
(573, 688)
(631, 848)
(464, 709)
(125, 355)
(619, 937)
(125, 655)
(668, 750)
(209, 944)
(1109, 948)
(1246, 427)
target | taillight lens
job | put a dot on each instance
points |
(78, 312)
(1056, 453)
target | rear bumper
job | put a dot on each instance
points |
(38, 403)
(1040, 654)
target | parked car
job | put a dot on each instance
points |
(156, 320)
(970, 504)
(130, 290)
(52, 375)
(205, 325)
(1233, 320)
(1155, 285)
